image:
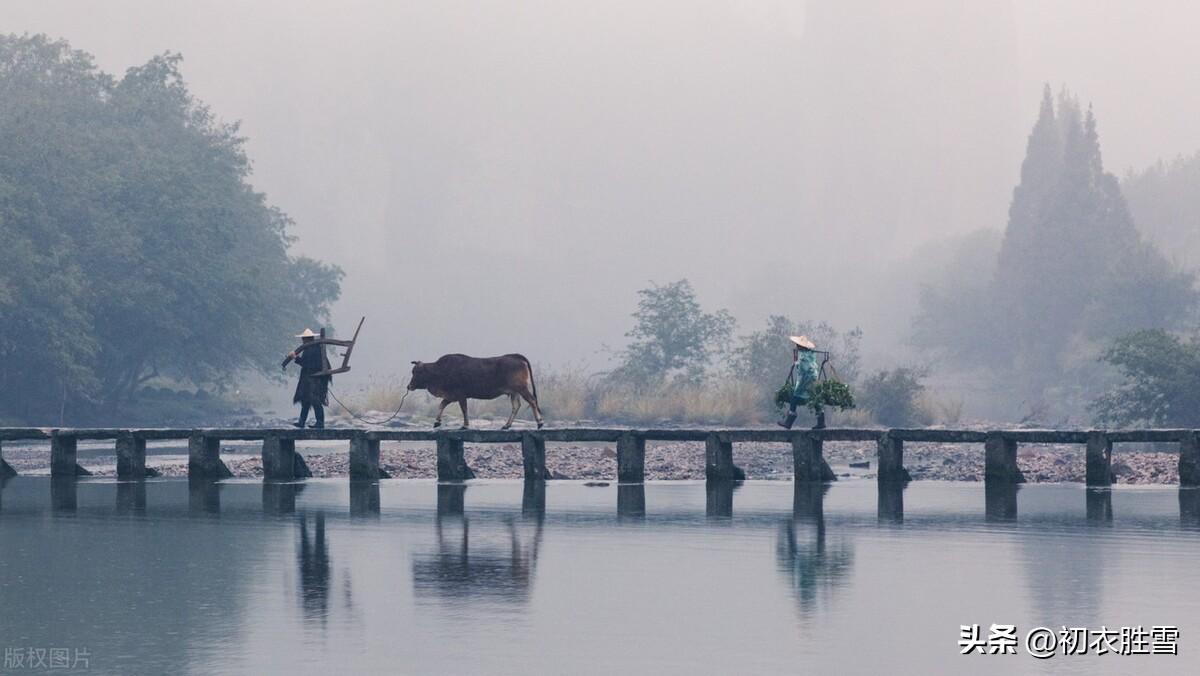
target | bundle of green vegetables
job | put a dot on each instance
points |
(829, 392)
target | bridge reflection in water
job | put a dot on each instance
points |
(280, 498)
(488, 567)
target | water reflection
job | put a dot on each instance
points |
(631, 501)
(533, 499)
(312, 558)
(891, 502)
(1099, 505)
(131, 497)
(64, 494)
(204, 496)
(718, 498)
(815, 565)
(499, 564)
(1000, 500)
(364, 498)
(1189, 507)
(280, 498)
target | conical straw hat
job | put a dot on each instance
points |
(803, 342)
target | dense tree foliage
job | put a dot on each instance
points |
(673, 338)
(764, 357)
(1161, 384)
(1072, 272)
(132, 247)
(1165, 203)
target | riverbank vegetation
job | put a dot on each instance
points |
(137, 263)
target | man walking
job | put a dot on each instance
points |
(312, 390)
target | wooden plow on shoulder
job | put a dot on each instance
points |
(348, 344)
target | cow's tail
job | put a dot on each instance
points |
(532, 382)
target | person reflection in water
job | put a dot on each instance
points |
(313, 559)
(814, 567)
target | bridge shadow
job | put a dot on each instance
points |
(815, 565)
(491, 560)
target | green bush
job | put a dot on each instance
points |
(894, 396)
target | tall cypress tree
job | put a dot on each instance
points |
(1073, 269)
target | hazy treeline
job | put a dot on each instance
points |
(1070, 275)
(684, 363)
(135, 259)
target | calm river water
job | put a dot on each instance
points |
(409, 577)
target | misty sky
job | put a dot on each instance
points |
(503, 176)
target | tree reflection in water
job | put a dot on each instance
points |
(499, 565)
(814, 564)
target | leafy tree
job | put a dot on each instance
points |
(765, 356)
(673, 338)
(132, 247)
(1161, 381)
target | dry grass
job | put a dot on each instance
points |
(570, 395)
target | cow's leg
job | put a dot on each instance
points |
(441, 408)
(516, 406)
(462, 403)
(537, 411)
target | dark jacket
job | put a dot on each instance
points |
(310, 389)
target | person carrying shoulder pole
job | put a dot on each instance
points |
(804, 374)
(312, 391)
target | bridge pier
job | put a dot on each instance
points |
(718, 458)
(6, 470)
(278, 458)
(131, 456)
(1099, 460)
(1189, 459)
(451, 465)
(891, 460)
(63, 451)
(364, 459)
(1000, 460)
(204, 458)
(808, 459)
(533, 454)
(631, 459)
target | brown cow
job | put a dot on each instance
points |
(457, 377)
